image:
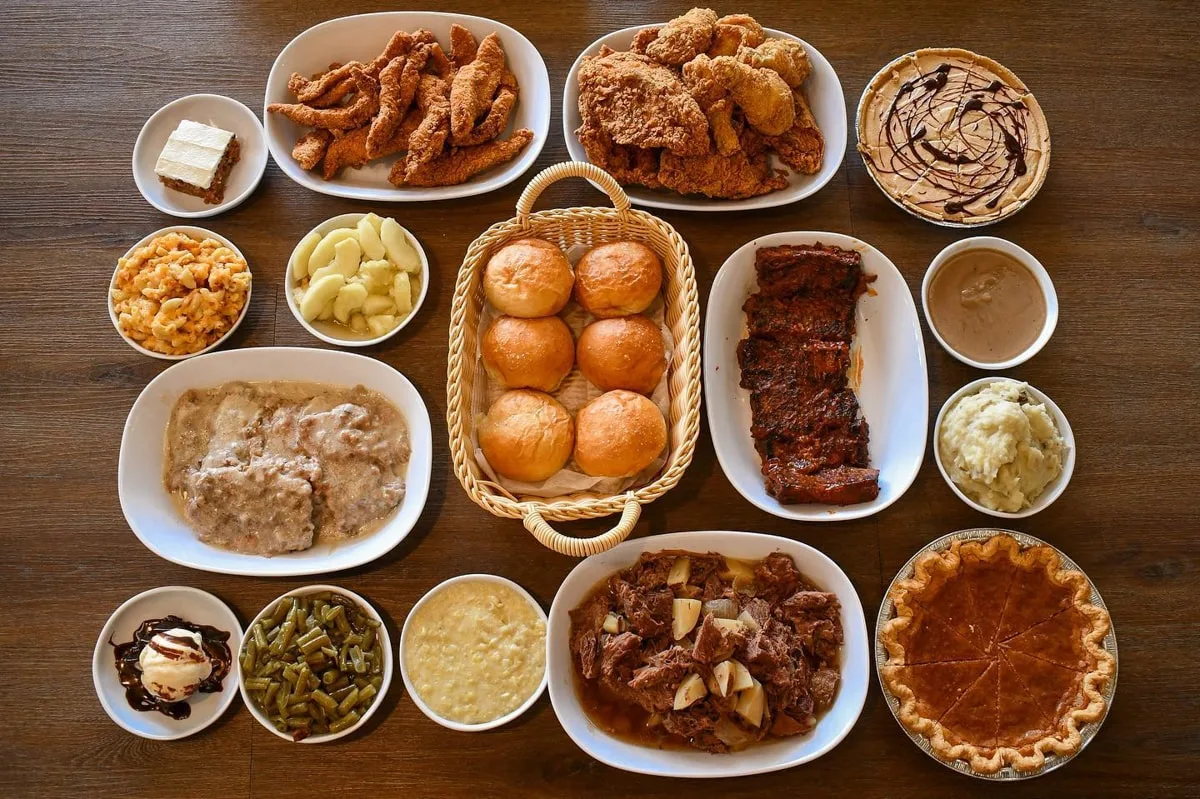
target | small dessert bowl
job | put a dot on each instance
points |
(1022, 256)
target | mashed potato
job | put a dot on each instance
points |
(1000, 446)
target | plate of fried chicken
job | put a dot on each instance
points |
(407, 106)
(707, 113)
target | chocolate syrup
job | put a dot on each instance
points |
(129, 670)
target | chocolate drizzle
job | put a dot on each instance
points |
(126, 656)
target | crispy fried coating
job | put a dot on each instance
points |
(395, 96)
(462, 45)
(463, 163)
(474, 86)
(348, 117)
(782, 55)
(640, 41)
(734, 31)
(763, 96)
(494, 123)
(744, 173)
(684, 37)
(306, 90)
(802, 147)
(429, 138)
(714, 101)
(350, 149)
(724, 130)
(310, 148)
(626, 164)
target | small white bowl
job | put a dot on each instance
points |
(1056, 486)
(1025, 258)
(331, 332)
(385, 643)
(207, 109)
(412, 691)
(196, 233)
(190, 604)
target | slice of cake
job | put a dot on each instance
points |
(197, 159)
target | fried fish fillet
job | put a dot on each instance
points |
(474, 86)
(463, 163)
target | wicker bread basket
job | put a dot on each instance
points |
(567, 227)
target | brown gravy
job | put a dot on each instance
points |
(986, 305)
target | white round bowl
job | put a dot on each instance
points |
(1029, 262)
(385, 643)
(207, 109)
(330, 332)
(196, 233)
(412, 691)
(190, 604)
(1052, 491)
(760, 758)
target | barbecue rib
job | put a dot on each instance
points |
(806, 421)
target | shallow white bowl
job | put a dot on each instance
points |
(1021, 255)
(412, 691)
(331, 332)
(208, 109)
(154, 515)
(190, 604)
(893, 390)
(363, 37)
(1052, 491)
(767, 756)
(825, 98)
(385, 644)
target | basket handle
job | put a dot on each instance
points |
(571, 169)
(582, 547)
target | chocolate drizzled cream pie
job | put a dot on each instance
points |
(953, 136)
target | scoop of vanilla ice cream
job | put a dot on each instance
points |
(174, 664)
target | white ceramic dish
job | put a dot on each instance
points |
(388, 664)
(363, 37)
(331, 332)
(893, 390)
(1021, 255)
(154, 515)
(196, 233)
(1052, 491)
(824, 93)
(190, 604)
(207, 109)
(763, 757)
(412, 691)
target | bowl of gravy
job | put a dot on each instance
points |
(989, 303)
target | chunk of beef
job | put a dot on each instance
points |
(801, 605)
(714, 587)
(585, 649)
(840, 485)
(824, 685)
(767, 649)
(695, 724)
(654, 684)
(651, 570)
(704, 567)
(759, 610)
(786, 724)
(714, 643)
(648, 612)
(619, 656)
(585, 633)
(776, 576)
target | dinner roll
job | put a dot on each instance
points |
(618, 434)
(528, 278)
(528, 353)
(526, 435)
(617, 279)
(626, 352)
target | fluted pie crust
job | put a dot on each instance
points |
(996, 654)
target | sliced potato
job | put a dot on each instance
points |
(368, 237)
(346, 257)
(729, 625)
(741, 679)
(749, 621)
(690, 691)
(349, 299)
(322, 254)
(722, 678)
(304, 251)
(684, 615)
(379, 304)
(399, 250)
(377, 275)
(358, 323)
(327, 312)
(319, 294)
(402, 293)
(750, 704)
(612, 623)
(379, 324)
(681, 570)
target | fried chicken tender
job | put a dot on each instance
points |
(350, 149)
(463, 163)
(495, 122)
(782, 55)
(310, 148)
(474, 86)
(347, 117)
(745, 173)
(684, 37)
(762, 95)
(429, 138)
(640, 103)
(462, 45)
(395, 96)
(802, 147)
(734, 31)
(307, 90)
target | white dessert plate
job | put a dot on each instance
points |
(771, 755)
(825, 98)
(385, 641)
(154, 514)
(200, 234)
(408, 683)
(331, 332)
(208, 109)
(893, 387)
(189, 604)
(363, 37)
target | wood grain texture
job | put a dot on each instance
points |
(1116, 224)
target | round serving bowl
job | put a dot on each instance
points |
(196, 233)
(1052, 491)
(385, 643)
(190, 604)
(330, 332)
(416, 696)
(1022, 256)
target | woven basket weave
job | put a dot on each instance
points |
(568, 227)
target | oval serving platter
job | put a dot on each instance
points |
(893, 390)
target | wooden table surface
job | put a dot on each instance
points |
(1116, 225)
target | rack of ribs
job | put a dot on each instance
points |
(806, 422)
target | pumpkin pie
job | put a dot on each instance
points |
(995, 654)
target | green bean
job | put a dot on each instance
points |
(371, 622)
(280, 611)
(377, 681)
(324, 700)
(313, 644)
(257, 683)
(284, 639)
(271, 669)
(345, 722)
(339, 684)
(299, 723)
(272, 692)
(316, 660)
(343, 692)
(299, 709)
(283, 699)
(354, 639)
(249, 656)
(361, 682)
(356, 658)
(331, 676)
(334, 612)
(260, 636)
(366, 695)
(368, 642)
(349, 702)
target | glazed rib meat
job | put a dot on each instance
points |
(806, 421)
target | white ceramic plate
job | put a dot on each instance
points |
(207, 109)
(385, 641)
(893, 392)
(825, 98)
(190, 604)
(363, 37)
(412, 691)
(154, 515)
(331, 332)
(767, 756)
